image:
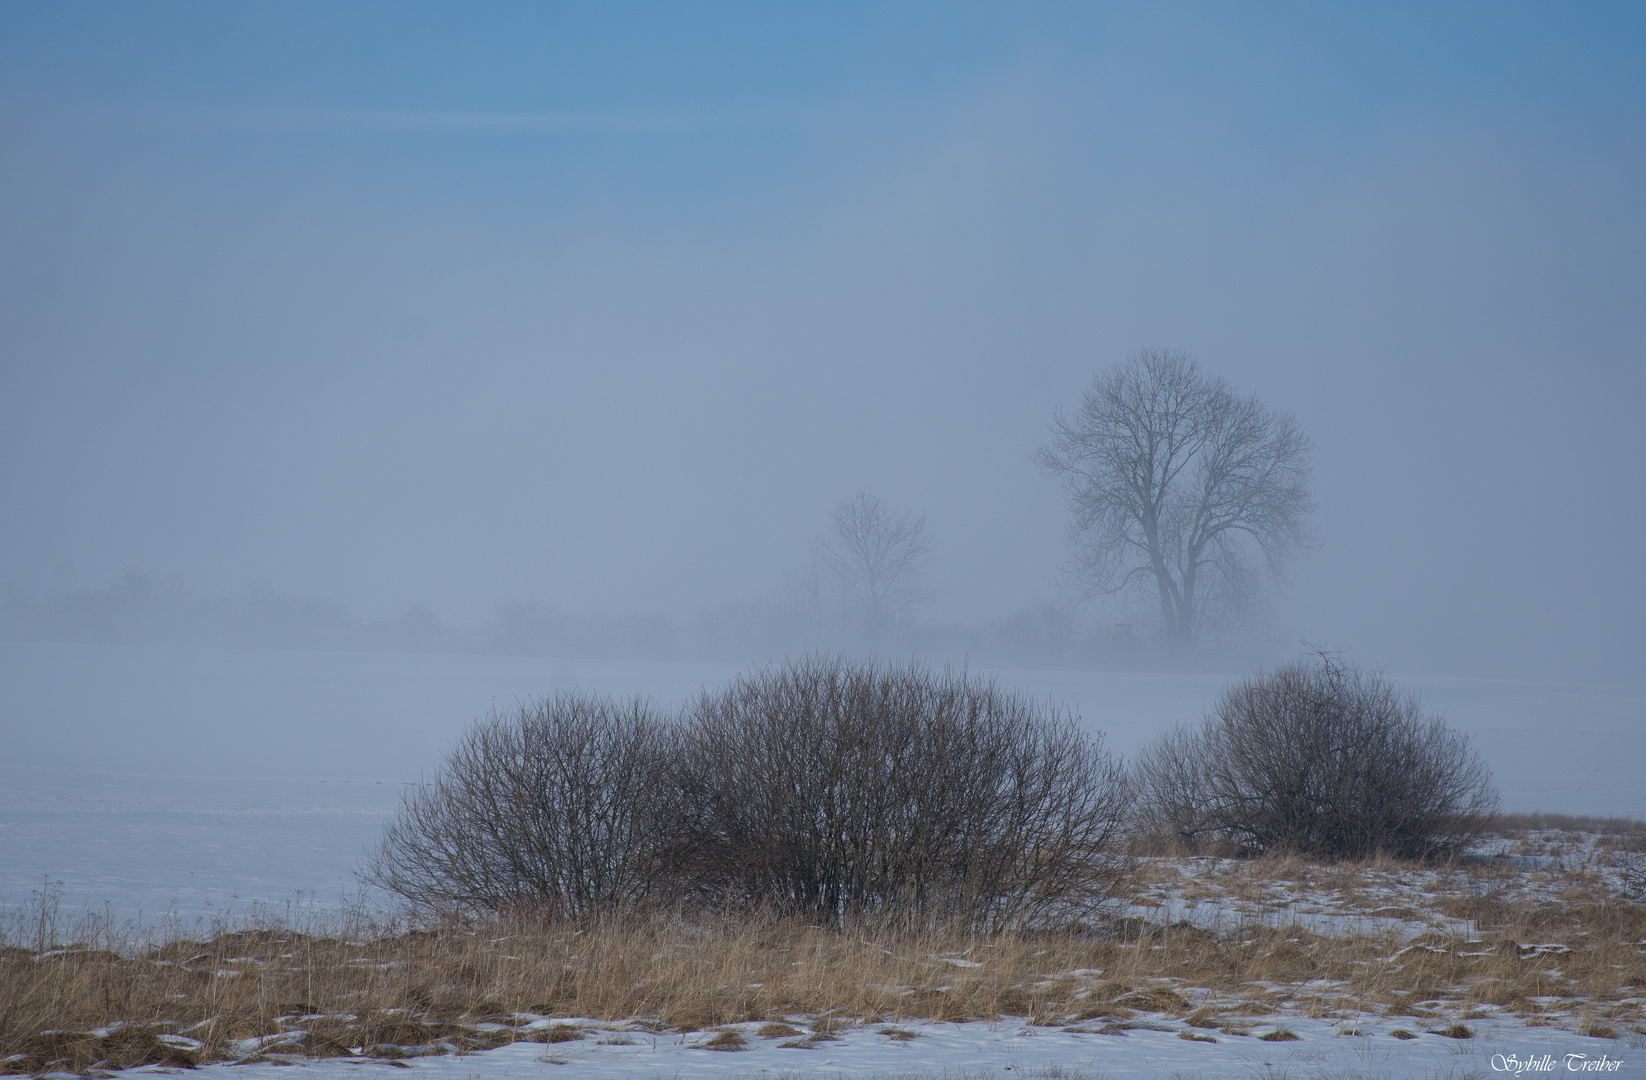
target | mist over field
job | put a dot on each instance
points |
(365, 367)
(607, 310)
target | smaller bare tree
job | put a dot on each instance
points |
(878, 556)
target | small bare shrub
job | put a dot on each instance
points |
(552, 810)
(1632, 877)
(831, 790)
(1173, 807)
(1319, 759)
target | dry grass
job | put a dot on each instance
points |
(1545, 946)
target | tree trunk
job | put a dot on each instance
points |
(1168, 603)
(1185, 603)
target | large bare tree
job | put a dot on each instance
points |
(878, 555)
(1173, 480)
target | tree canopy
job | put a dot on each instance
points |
(1173, 480)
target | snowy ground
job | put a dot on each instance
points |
(194, 847)
(1322, 1049)
(1219, 895)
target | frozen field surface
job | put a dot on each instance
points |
(188, 846)
(200, 781)
(1008, 1050)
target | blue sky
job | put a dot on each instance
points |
(608, 304)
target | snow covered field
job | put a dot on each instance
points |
(199, 781)
(975, 1051)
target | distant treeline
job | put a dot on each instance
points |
(143, 609)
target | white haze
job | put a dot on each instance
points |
(413, 395)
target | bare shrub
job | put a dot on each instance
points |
(1173, 810)
(553, 809)
(1321, 759)
(1632, 877)
(833, 790)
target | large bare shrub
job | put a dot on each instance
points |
(1318, 758)
(553, 809)
(833, 789)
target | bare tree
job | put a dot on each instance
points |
(878, 555)
(1172, 477)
